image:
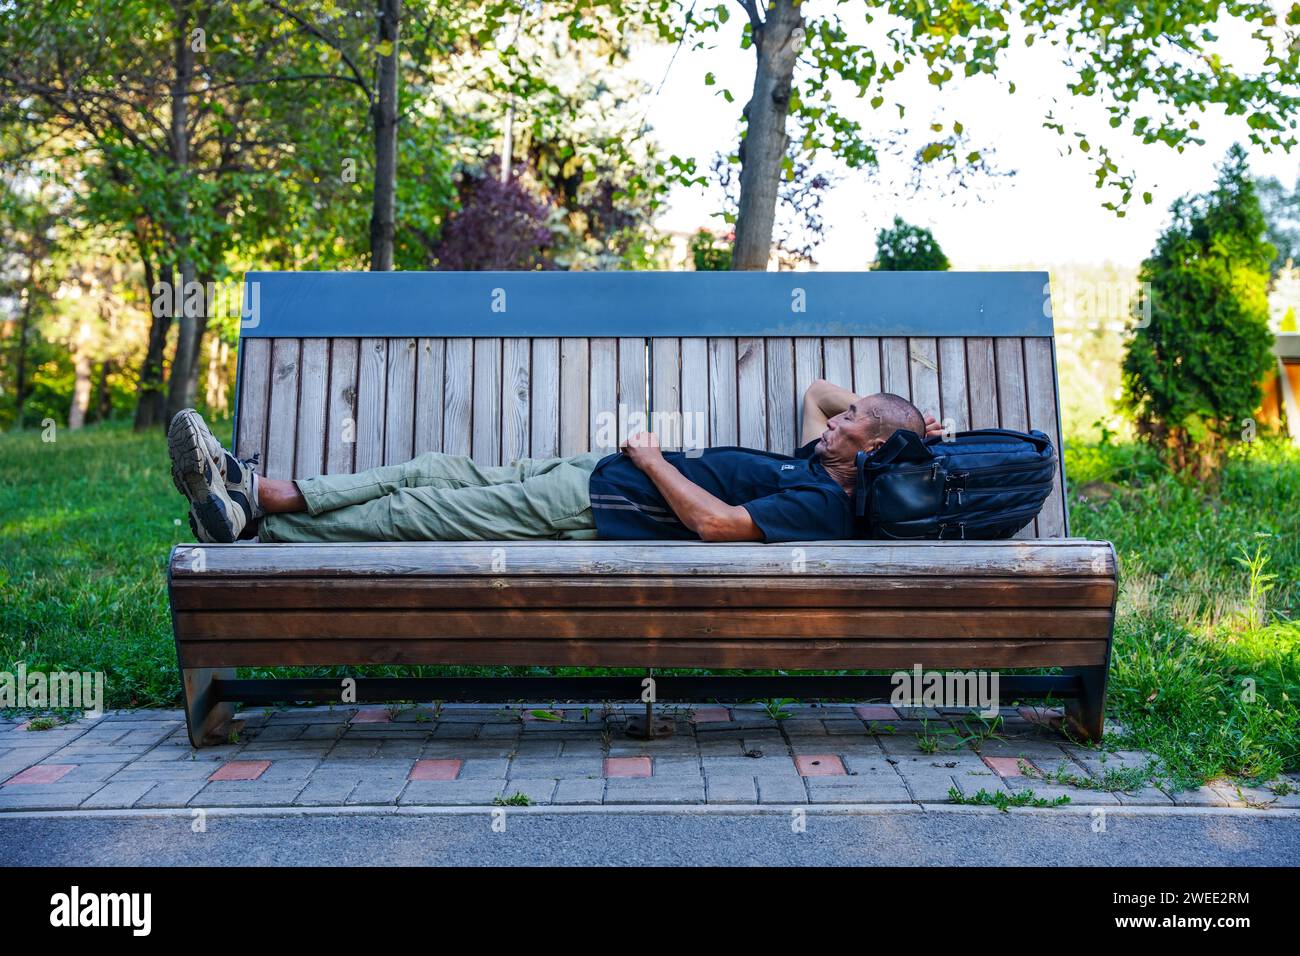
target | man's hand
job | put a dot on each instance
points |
(708, 516)
(643, 449)
(932, 428)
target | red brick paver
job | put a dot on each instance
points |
(435, 770)
(373, 715)
(627, 766)
(876, 712)
(819, 765)
(1008, 766)
(41, 773)
(241, 770)
(710, 715)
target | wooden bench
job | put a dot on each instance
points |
(340, 372)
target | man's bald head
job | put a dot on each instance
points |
(888, 413)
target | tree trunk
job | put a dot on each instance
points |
(192, 319)
(193, 315)
(150, 406)
(103, 399)
(384, 112)
(765, 142)
(24, 323)
(81, 380)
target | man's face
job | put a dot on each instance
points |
(848, 433)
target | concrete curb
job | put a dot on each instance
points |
(843, 809)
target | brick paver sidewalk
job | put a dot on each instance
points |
(570, 754)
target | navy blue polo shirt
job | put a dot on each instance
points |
(789, 498)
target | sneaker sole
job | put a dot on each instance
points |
(192, 476)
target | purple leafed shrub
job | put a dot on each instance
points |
(499, 226)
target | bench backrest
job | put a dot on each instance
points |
(344, 371)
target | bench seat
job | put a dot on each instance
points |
(820, 605)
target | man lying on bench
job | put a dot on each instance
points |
(714, 494)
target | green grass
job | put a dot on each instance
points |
(1205, 670)
(86, 523)
(1005, 801)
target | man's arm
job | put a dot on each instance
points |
(824, 400)
(708, 516)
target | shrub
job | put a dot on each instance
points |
(708, 255)
(498, 226)
(1191, 377)
(908, 248)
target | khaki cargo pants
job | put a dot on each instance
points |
(437, 497)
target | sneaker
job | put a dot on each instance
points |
(199, 470)
(241, 485)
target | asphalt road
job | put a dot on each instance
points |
(656, 838)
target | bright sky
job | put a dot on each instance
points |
(1048, 212)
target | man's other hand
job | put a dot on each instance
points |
(643, 449)
(932, 428)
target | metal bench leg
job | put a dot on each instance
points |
(208, 720)
(649, 727)
(1085, 715)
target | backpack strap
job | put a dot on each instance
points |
(1035, 438)
(902, 447)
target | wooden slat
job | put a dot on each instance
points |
(581, 623)
(254, 397)
(895, 367)
(724, 425)
(1012, 411)
(604, 422)
(341, 434)
(313, 384)
(545, 399)
(751, 385)
(485, 442)
(516, 396)
(458, 397)
(1040, 379)
(807, 369)
(371, 395)
(946, 559)
(666, 391)
(399, 413)
(924, 357)
(866, 366)
(198, 593)
(953, 400)
(837, 354)
(575, 397)
(751, 654)
(782, 412)
(430, 394)
(695, 393)
(982, 382)
(282, 426)
(632, 382)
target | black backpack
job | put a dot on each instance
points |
(982, 485)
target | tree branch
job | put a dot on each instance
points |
(331, 42)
